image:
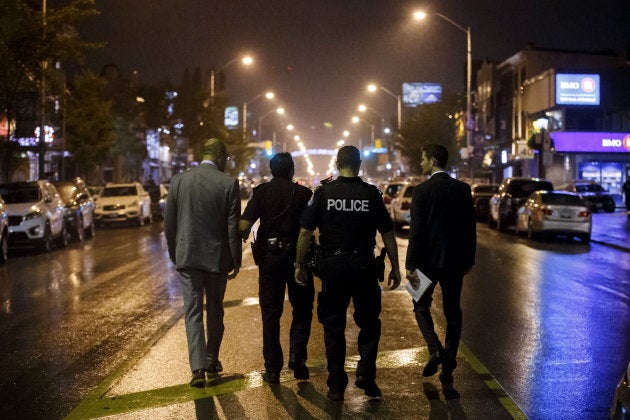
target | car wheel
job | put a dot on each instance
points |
(46, 244)
(64, 236)
(501, 224)
(609, 206)
(491, 223)
(140, 220)
(79, 233)
(91, 230)
(531, 234)
(150, 218)
(4, 248)
(585, 238)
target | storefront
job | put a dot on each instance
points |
(598, 156)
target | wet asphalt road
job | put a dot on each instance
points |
(550, 320)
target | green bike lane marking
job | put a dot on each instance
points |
(97, 405)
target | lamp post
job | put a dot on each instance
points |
(246, 60)
(267, 94)
(262, 117)
(356, 120)
(363, 108)
(374, 88)
(469, 122)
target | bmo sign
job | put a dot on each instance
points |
(566, 141)
(577, 89)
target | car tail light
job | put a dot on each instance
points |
(584, 213)
(546, 211)
(387, 199)
(405, 205)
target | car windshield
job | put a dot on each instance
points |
(562, 199)
(393, 190)
(118, 191)
(14, 194)
(589, 188)
(485, 189)
(523, 188)
(67, 191)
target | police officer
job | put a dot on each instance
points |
(278, 204)
(348, 212)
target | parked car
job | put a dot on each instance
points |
(35, 214)
(620, 409)
(481, 194)
(123, 203)
(390, 191)
(555, 213)
(79, 215)
(4, 232)
(510, 196)
(158, 194)
(595, 196)
(400, 207)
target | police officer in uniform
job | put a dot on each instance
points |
(348, 212)
(278, 204)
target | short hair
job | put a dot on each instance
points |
(214, 148)
(349, 156)
(282, 165)
(437, 152)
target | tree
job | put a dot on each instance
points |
(89, 126)
(429, 123)
(29, 41)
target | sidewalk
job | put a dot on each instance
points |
(612, 229)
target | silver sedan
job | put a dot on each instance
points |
(554, 213)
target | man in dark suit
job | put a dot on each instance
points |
(201, 228)
(442, 242)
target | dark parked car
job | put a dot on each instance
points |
(158, 195)
(481, 194)
(595, 196)
(4, 232)
(511, 195)
(79, 214)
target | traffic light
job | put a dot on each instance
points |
(268, 147)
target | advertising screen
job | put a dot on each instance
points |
(231, 116)
(415, 94)
(577, 89)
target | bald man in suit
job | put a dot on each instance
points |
(203, 208)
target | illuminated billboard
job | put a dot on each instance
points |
(577, 89)
(231, 116)
(589, 142)
(414, 94)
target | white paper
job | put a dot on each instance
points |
(425, 282)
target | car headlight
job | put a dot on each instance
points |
(33, 215)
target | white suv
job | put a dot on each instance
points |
(35, 214)
(123, 203)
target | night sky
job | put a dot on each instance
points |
(319, 55)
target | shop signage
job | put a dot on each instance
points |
(598, 142)
(577, 89)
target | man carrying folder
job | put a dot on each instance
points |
(442, 241)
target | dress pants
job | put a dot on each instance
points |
(451, 286)
(196, 284)
(277, 275)
(346, 277)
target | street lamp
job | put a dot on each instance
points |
(267, 94)
(420, 15)
(373, 88)
(363, 108)
(246, 60)
(262, 117)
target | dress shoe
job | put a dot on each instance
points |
(198, 378)
(215, 367)
(271, 377)
(300, 371)
(369, 387)
(431, 367)
(335, 395)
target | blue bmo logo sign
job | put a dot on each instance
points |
(577, 89)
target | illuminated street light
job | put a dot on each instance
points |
(268, 94)
(373, 88)
(246, 60)
(420, 15)
(279, 111)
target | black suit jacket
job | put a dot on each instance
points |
(442, 232)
